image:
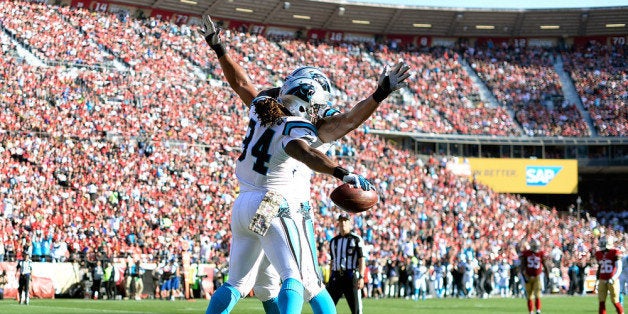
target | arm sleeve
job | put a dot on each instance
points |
(301, 130)
(328, 112)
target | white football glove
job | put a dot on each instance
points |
(611, 281)
(212, 36)
(358, 181)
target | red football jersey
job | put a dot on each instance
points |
(606, 260)
(533, 262)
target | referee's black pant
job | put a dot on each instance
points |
(344, 283)
(24, 283)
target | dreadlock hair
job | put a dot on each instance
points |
(269, 110)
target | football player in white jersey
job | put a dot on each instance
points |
(329, 129)
(267, 215)
(439, 278)
(419, 278)
(503, 278)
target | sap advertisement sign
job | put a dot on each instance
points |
(542, 176)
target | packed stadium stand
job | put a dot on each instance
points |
(124, 143)
(599, 74)
(524, 80)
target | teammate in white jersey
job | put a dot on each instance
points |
(331, 126)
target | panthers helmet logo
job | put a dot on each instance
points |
(303, 91)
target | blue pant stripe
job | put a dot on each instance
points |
(308, 226)
(290, 228)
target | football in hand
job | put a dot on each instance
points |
(352, 199)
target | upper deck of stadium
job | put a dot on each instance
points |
(601, 18)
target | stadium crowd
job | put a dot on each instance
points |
(47, 35)
(524, 80)
(99, 164)
(446, 87)
(599, 74)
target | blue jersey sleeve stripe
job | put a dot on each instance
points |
(330, 112)
(297, 124)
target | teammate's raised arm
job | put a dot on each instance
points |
(337, 126)
(234, 73)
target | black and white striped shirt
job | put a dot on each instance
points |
(346, 251)
(25, 267)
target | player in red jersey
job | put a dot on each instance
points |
(608, 270)
(532, 266)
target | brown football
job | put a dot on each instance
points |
(352, 199)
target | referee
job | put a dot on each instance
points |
(24, 269)
(347, 265)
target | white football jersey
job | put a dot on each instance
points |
(439, 271)
(264, 164)
(504, 270)
(419, 272)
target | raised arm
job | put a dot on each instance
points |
(234, 73)
(337, 126)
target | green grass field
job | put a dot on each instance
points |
(551, 304)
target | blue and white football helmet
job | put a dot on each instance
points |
(313, 73)
(304, 97)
